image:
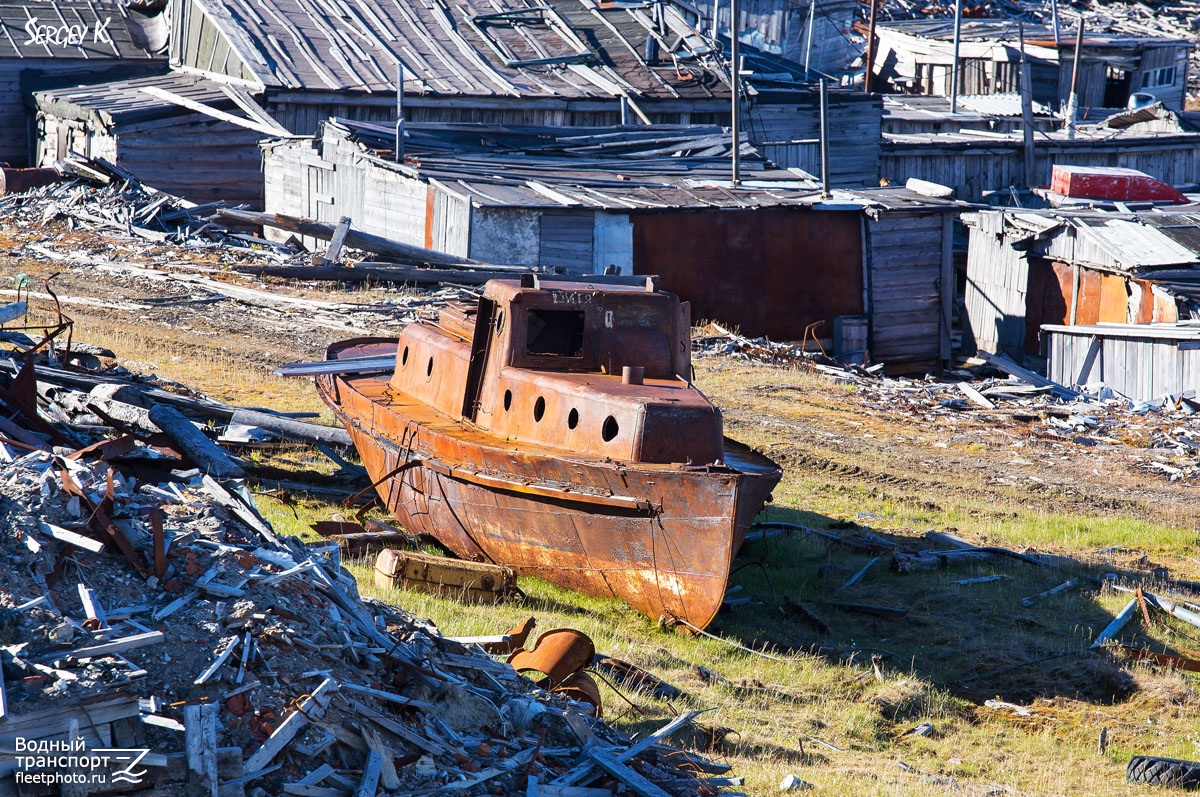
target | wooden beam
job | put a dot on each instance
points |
(208, 110)
(359, 240)
(311, 708)
(370, 777)
(211, 458)
(201, 742)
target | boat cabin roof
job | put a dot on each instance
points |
(588, 327)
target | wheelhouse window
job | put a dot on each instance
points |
(555, 333)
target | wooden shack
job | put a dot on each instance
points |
(1027, 269)
(65, 41)
(979, 162)
(168, 146)
(770, 256)
(561, 63)
(1143, 362)
(917, 57)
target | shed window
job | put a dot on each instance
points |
(1158, 77)
(555, 333)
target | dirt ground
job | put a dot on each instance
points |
(892, 443)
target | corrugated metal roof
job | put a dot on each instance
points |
(999, 105)
(1134, 244)
(67, 29)
(518, 48)
(623, 169)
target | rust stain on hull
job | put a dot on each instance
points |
(659, 535)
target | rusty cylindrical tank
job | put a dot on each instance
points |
(16, 181)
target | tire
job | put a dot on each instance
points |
(1164, 772)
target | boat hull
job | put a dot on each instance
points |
(659, 537)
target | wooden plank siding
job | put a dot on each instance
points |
(905, 261)
(997, 284)
(1144, 364)
(972, 168)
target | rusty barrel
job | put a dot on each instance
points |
(16, 181)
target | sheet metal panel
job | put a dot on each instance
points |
(771, 271)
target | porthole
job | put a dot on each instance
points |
(572, 418)
(507, 400)
(610, 429)
(429, 367)
(404, 357)
(539, 408)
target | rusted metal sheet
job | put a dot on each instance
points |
(769, 271)
(521, 445)
(1102, 299)
(16, 181)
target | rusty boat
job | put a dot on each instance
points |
(552, 427)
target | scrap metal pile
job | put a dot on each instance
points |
(147, 605)
(996, 390)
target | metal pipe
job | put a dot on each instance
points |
(1073, 98)
(736, 81)
(870, 59)
(812, 17)
(824, 139)
(954, 67)
(1054, 17)
(399, 151)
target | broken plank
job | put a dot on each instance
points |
(359, 240)
(369, 785)
(379, 694)
(366, 272)
(220, 660)
(311, 708)
(391, 726)
(200, 738)
(116, 646)
(215, 113)
(976, 397)
(70, 537)
(1009, 367)
(637, 782)
(581, 771)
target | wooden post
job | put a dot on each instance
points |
(208, 455)
(870, 59)
(954, 66)
(735, 79)
(1073, 98)
(1026, 87)
(201, 741)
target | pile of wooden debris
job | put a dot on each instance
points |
(147, 608)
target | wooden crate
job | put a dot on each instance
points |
(476, 582)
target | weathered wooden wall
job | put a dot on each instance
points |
(340, 181)
(973, 167)
(1144, 363)
(789, 134)
(997, 285)
(303, 112)
(223, 159)
(908, 282)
